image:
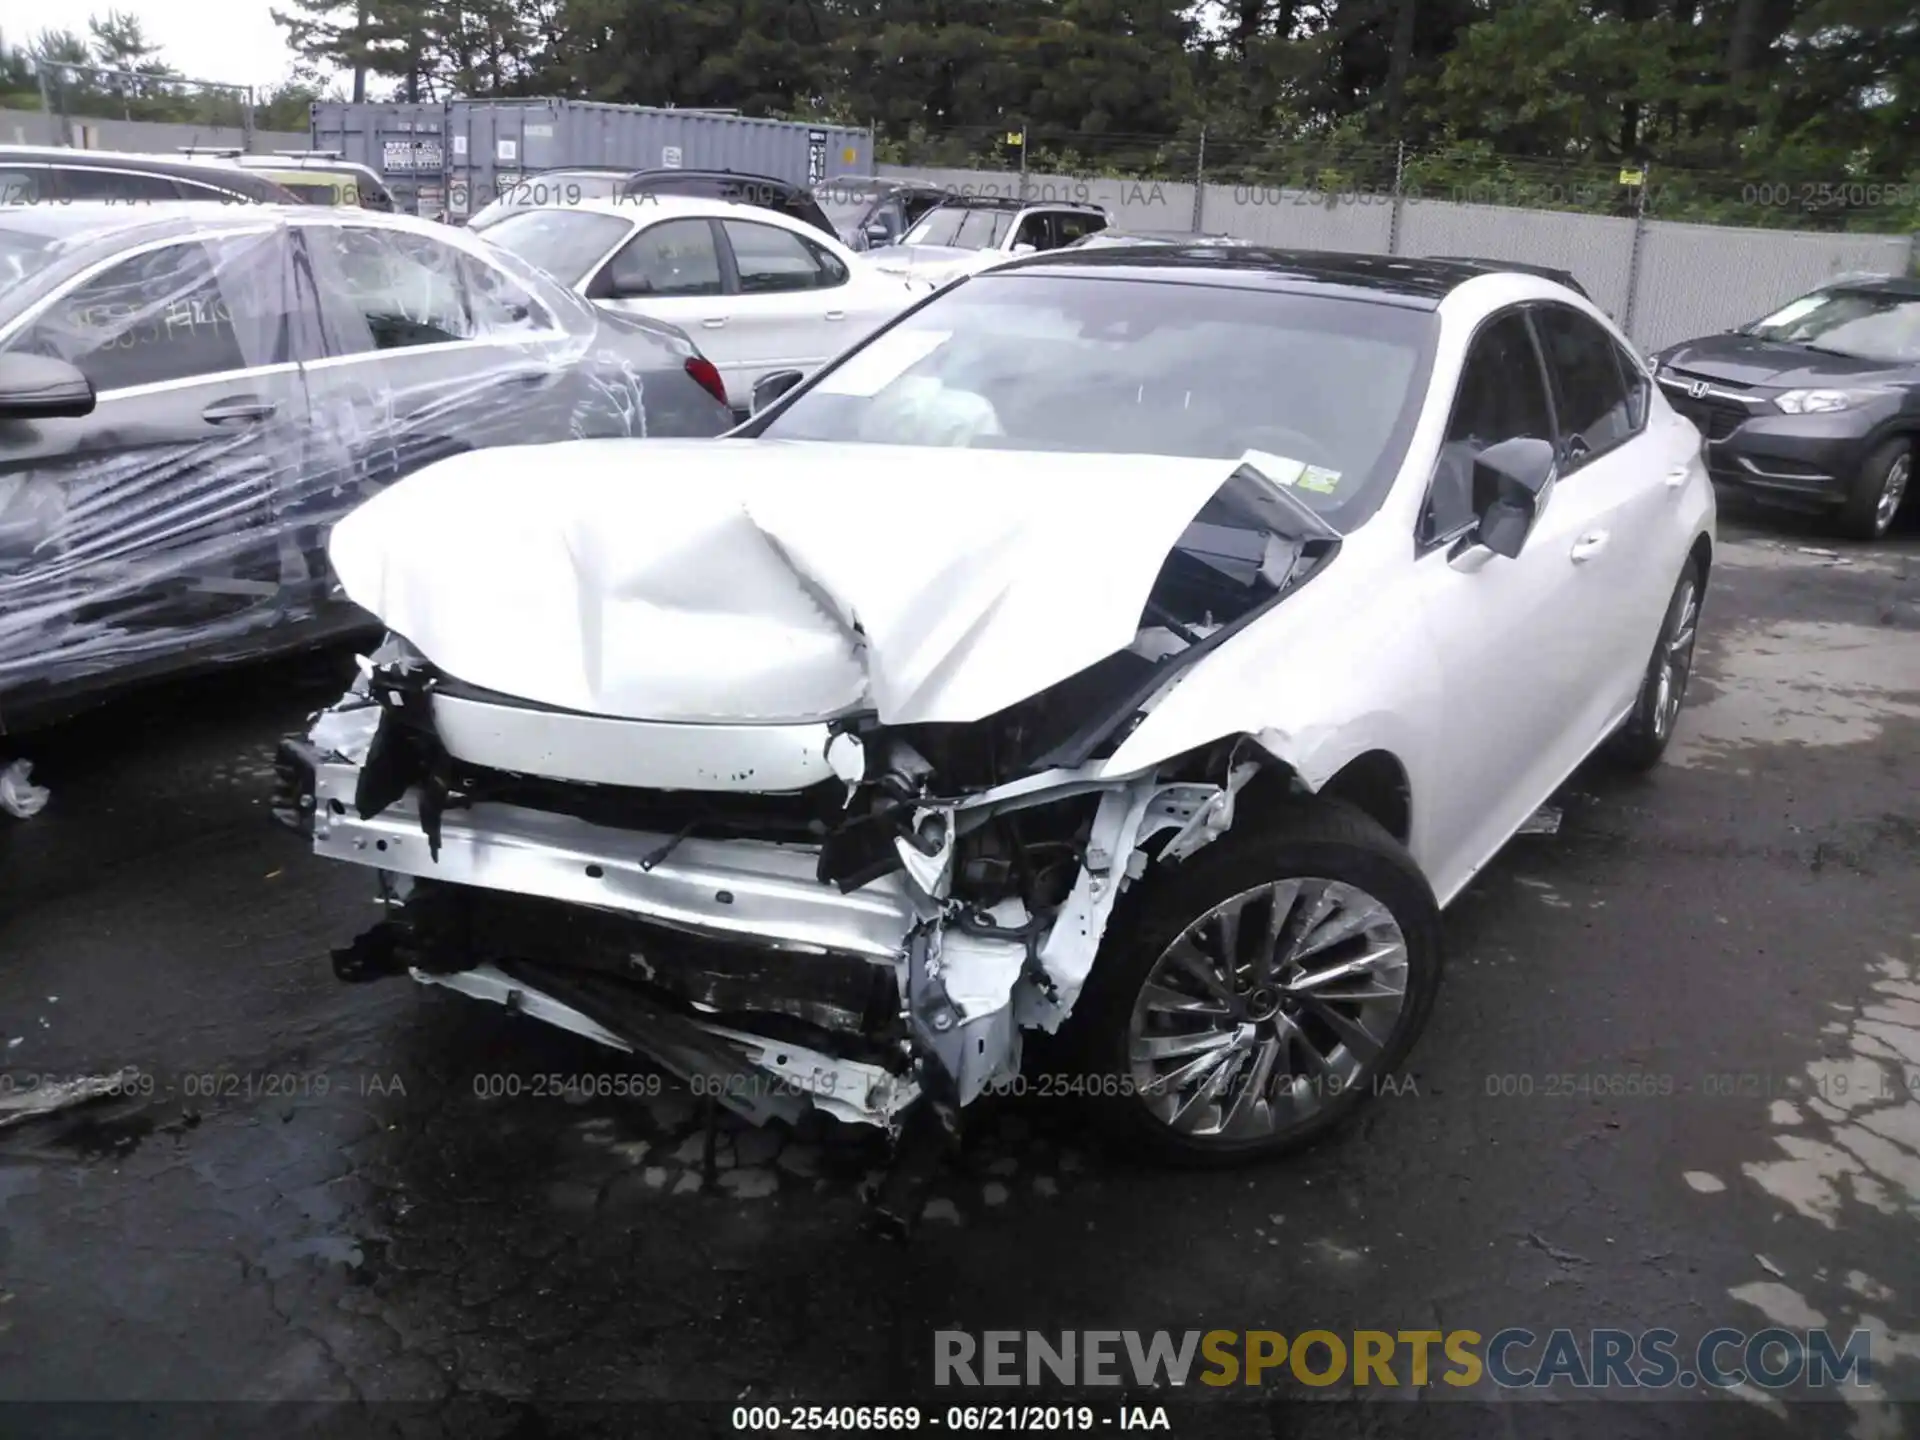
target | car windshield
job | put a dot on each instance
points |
(845, 203)
(567, 244)
(1864, 324)
(1323, 390)
(961, 227)
(555, 187)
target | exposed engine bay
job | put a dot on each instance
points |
(867, 914)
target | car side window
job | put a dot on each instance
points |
(409, 290)
(918, 205)
(1035, 230)
(1639, 388)
(195, 190)
(1502, 396)
(176, 313)
(1589, 395)
(502, 308)
(673, 258)
(27, 185)
(86, 183)
(771, 261)
(1074, 227)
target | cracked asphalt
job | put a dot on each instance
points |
(379, 1194)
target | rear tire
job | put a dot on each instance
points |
(1204, 1062)
(1643, 740)
(1878, 492)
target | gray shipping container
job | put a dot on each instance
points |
(405, 144)
(464, 152)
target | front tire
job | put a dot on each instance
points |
(1256, 993)
(1644, 739)
(1878, 491)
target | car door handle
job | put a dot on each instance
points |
(836, 314)
(238, 410)
(715, 323)
(1677, 476)
(1589, 545)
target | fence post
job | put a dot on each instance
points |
(1200, 182)
(1023, 162)
(56, 131)
(246, 120)
(1633, 256)
(1393, 216)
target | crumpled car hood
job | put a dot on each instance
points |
(758, 581)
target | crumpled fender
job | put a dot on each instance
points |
(1325, 677)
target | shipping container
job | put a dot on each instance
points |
(458, 155)
(404, 144)
(493, 144)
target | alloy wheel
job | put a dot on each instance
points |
(1892, 493)
(1267, 1009)
(1676, 659)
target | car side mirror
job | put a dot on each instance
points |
(39, 387)
(878, 233)
(769, 388)
(1511, 482)
(1023, 248)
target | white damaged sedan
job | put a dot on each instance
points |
(1134, 648)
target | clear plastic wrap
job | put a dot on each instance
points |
(257, 376)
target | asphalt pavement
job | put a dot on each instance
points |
(1670, 1082)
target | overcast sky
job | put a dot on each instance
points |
(234, 41)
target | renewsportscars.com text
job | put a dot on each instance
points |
(1514, 1358)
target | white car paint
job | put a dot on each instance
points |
(748, 336)
(934, 265)
(613, 597)
(720, 582)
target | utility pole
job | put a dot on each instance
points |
(1200, 182)
(1022, 143)
(1399, 194)
(1638, 179)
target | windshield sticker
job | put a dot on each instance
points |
(1276, 468)
(884, 361)
(1319, 479)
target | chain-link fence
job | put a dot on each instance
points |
(1667, 257)
(96, 108)
(1334, 170)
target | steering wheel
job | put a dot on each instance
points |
(1285, 441)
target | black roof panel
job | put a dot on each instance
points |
(1399, 279)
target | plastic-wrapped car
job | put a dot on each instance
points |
(191, 396)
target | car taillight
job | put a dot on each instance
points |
(707, 376)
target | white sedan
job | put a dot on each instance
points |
(1143, 646)
(756, 292)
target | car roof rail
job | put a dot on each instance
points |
(225, 152)
(311, 154)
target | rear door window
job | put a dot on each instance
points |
(1072, 226)
(87, 183)
(1036, 230)
(770, 260)
(392, 289)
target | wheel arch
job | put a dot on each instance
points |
(1376, 782)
